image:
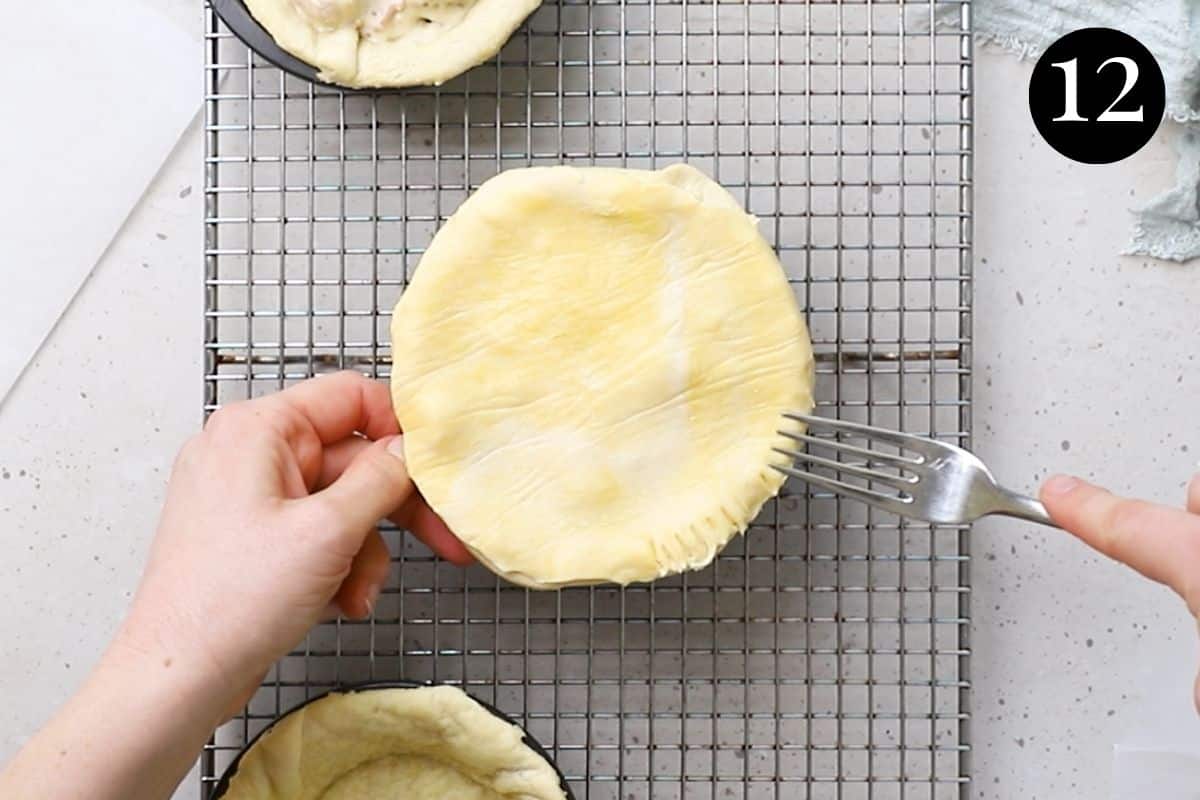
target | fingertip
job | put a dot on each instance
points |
(395, 446)
(446, 545)
(372, 487)
(370, 599)
(1071, 501)
(430, 528)
(354, 603)
(457, 554)
(1193, 494)
(1059, 485)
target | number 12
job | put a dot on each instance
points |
(1071, 101)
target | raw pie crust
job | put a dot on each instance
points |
(589, 370)
(424, 743)
(391, 42)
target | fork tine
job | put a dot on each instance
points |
(890, 503)
(893, 459)
(917, 444)
(888, 479)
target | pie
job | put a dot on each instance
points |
(391, 43)
(590, 367)
(425, 743)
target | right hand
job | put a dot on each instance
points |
(1160, 542)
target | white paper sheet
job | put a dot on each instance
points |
(96, 96)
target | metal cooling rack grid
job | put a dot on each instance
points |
(824, 655)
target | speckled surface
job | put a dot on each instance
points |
(1086, 362)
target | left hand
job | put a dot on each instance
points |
(270, 517)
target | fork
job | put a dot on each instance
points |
(938, 482)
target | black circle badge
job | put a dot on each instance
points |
(1097, 95)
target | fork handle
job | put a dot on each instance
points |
(1013, 504)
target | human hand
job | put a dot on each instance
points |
(1160, 542)
(270, 517)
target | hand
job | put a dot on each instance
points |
(270, 517)
(1160, 542)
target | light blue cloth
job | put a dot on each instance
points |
(1168, 226)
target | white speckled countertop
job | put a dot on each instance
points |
(1086, 362)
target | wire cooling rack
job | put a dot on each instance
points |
(823, 655)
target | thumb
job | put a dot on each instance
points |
(1161, 543)
(373, 486)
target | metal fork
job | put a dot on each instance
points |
(934, 481)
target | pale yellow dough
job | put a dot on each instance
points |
(391, 43)
(430, 743)
(589, 369)
(414, 776)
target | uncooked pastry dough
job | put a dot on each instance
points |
(418, 777)
(430, 743)
(590, 366)
(391, 42)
